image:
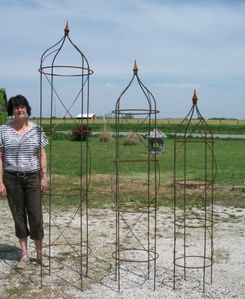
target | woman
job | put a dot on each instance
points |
(23, 175)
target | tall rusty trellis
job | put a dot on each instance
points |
(193, 198)
(135, 197)
(64, 90)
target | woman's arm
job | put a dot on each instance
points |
(43, 169)
(2, 187)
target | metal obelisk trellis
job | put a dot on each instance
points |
(193, 198)
(64, 91)
(135, 196)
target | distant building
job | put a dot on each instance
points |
(86, 116)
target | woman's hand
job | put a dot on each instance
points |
(44, 182)
(3, 192)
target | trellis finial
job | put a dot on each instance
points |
(135, 69)
(66, 29)
(194, 97)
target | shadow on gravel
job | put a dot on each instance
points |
(9, 252)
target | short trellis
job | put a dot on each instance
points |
(135, 223)
(64, 88)
(193, 198)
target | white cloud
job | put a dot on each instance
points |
(178, 85)
(109, 85)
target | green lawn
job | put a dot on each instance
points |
(66, 160)
(229, 155)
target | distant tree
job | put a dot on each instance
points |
(3, 106)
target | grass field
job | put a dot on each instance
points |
(66, 157)
(229, 156)
(175, 121)
(166, 125)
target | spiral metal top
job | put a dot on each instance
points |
(51, 65)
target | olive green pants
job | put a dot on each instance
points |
(25, 202)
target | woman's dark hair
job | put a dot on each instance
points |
(17, 101)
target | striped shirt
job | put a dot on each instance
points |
(20, 152)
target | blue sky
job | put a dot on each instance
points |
(178, 45)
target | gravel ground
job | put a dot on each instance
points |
(64, 282)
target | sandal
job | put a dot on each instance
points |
(42, 261)
(23, 262)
